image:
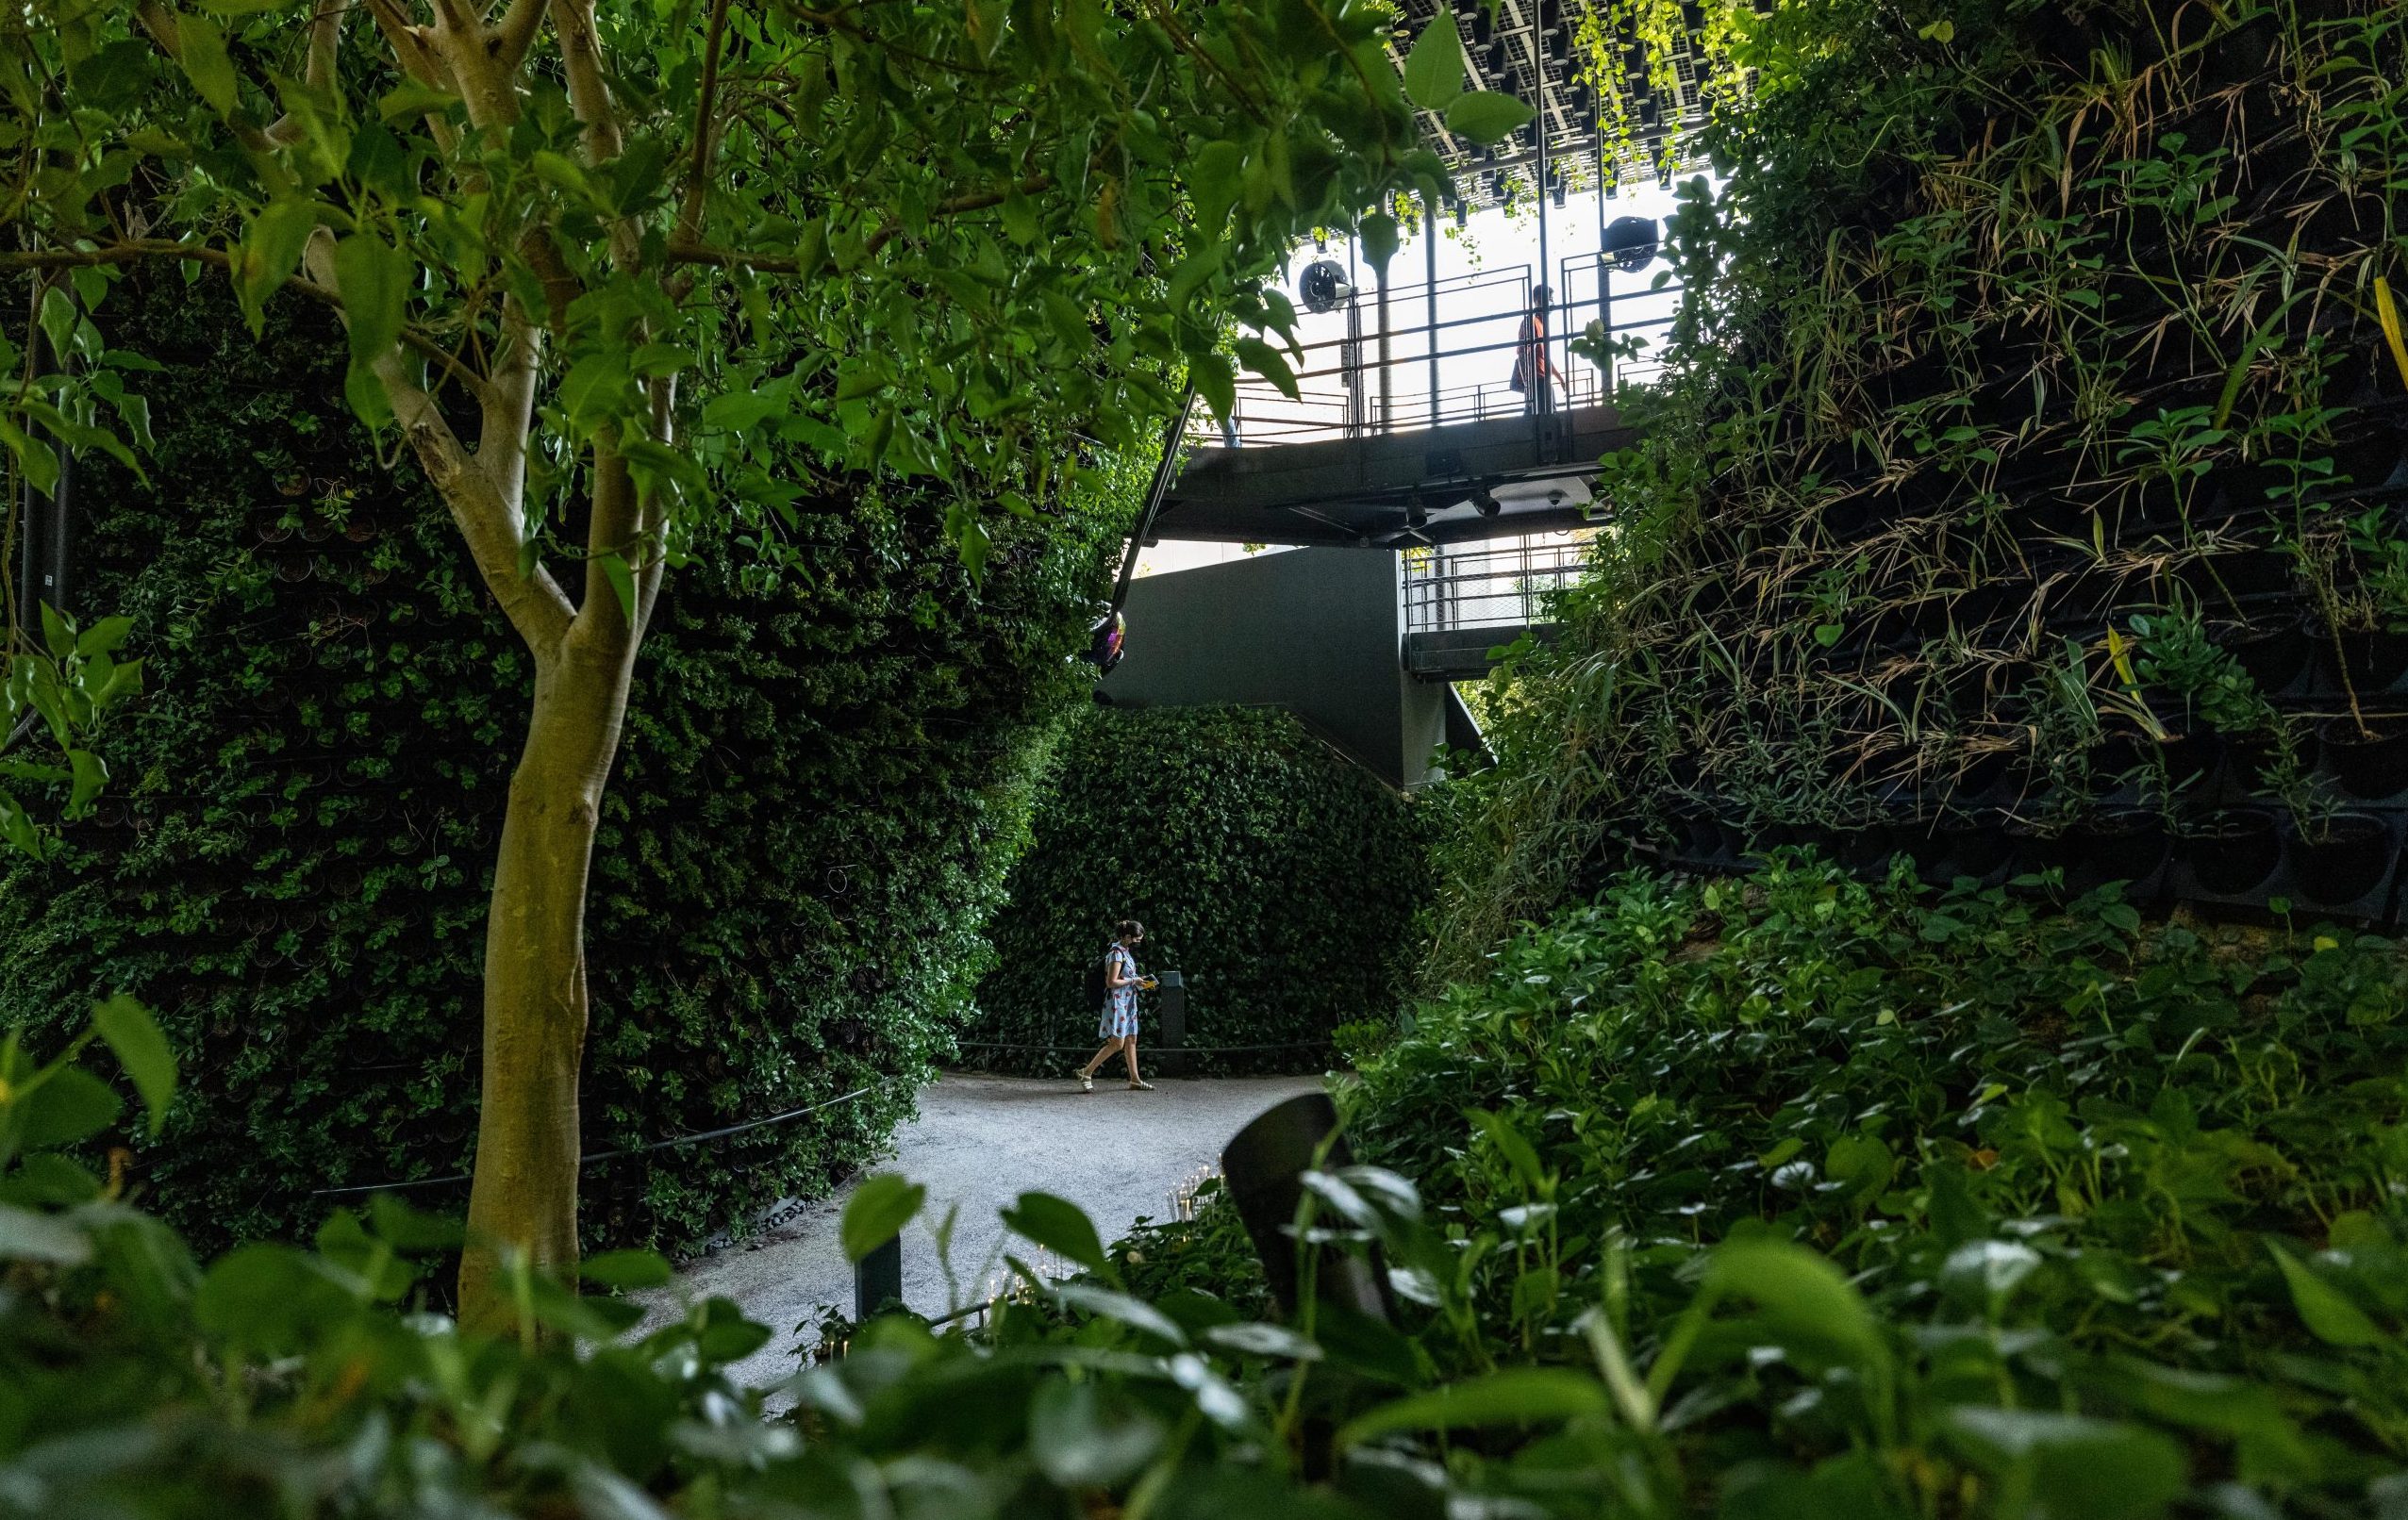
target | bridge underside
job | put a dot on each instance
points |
(1453, 484)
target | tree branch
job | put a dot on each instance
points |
(326, 42)
(138, 250)
(515, 33)
(689, 211)
(487, 518)
(589, 88)
(699, 253)
(615, 530)
(508, 405)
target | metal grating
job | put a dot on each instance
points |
(1531, 49)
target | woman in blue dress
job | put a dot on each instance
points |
(1118, 1027)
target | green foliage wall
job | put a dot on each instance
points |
(1281, 878)
(2026, 490)
(822, 782)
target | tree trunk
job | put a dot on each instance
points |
(524, 1199)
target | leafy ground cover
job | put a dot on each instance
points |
(1811, 1198)
(2104, 1218)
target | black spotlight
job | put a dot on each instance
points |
(1107, 641)
(1630, 242)
(1323, 286)
(1416, 515)
(1484, 503)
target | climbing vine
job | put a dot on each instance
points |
(2026, 487)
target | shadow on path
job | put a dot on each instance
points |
(979, 1143)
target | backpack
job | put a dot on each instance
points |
(1098, 994)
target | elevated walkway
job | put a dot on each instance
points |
(1452, 484)
(1405, 428)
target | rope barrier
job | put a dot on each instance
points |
(599, 1156)
(1158, 1050)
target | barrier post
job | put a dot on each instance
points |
(877, 1280)
(1172, 1007)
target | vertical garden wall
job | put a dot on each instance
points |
(1284, 881)
(2030, 493)
(825, 776)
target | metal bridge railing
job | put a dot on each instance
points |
(1429, 355)
(1489, 588)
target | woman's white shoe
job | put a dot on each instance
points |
(1087, 1083)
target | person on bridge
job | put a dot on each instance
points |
(1534, 373)
(1117, 1023)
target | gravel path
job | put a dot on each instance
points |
(981, 1142)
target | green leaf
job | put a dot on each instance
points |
(1803, 1298)
(1265, 360)
(623, 582)
(141, 1049)
(627, 1269)
(1485, 116)
(740, 411)
(1192, 270)
(1379, 238)
(1019, 217)
(1215, 382)
(373, 277)
(1516, 1396)
(69, 1104)
(1255, 1339)
(266, 1299)
(28, 1237)
(594, 386)
(1134, 1313)
(2331, 1315)
(1511, 1143)
(1076, 1444)
(1059, 1226)
(877, 1212)
(91, 775)
(864, 376)
(413, 98)
(1433, 70)
(58, 634)
(2071, 1466)
(200, 47)
(103, 637)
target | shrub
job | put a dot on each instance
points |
(1281, 878)
(2144, 1179)
(824, 778)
